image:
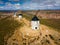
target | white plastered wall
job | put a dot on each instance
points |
(35, 24)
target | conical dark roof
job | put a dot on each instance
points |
(19, 14)
(35, 18)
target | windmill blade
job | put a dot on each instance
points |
(37, 12)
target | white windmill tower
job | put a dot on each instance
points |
(20, 16)
(35, 23)
(14, 14)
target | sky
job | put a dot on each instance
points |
(29, 4)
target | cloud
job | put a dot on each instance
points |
(1, 7)
(14, 0)
(9, 6)
(17, 6)
(1, 2)
(41, 4)
(31, 5)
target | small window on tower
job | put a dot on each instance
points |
(35, 27)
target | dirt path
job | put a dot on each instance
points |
(27, 36)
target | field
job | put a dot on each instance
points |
(8, 25)
(53, 23)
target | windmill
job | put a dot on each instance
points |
(35, 22)
(15, 14)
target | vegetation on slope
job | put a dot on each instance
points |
(28, 16)
(53, 23)
(7, 27)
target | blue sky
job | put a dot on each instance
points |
(29, 4)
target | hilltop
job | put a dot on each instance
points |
(26, 36)
(44, 14)
(9, 26)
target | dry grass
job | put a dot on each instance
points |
(7, 27)
(25, 35)
(53, 23)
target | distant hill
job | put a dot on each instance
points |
(44, 14)
(50, 14)
(8, 10)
